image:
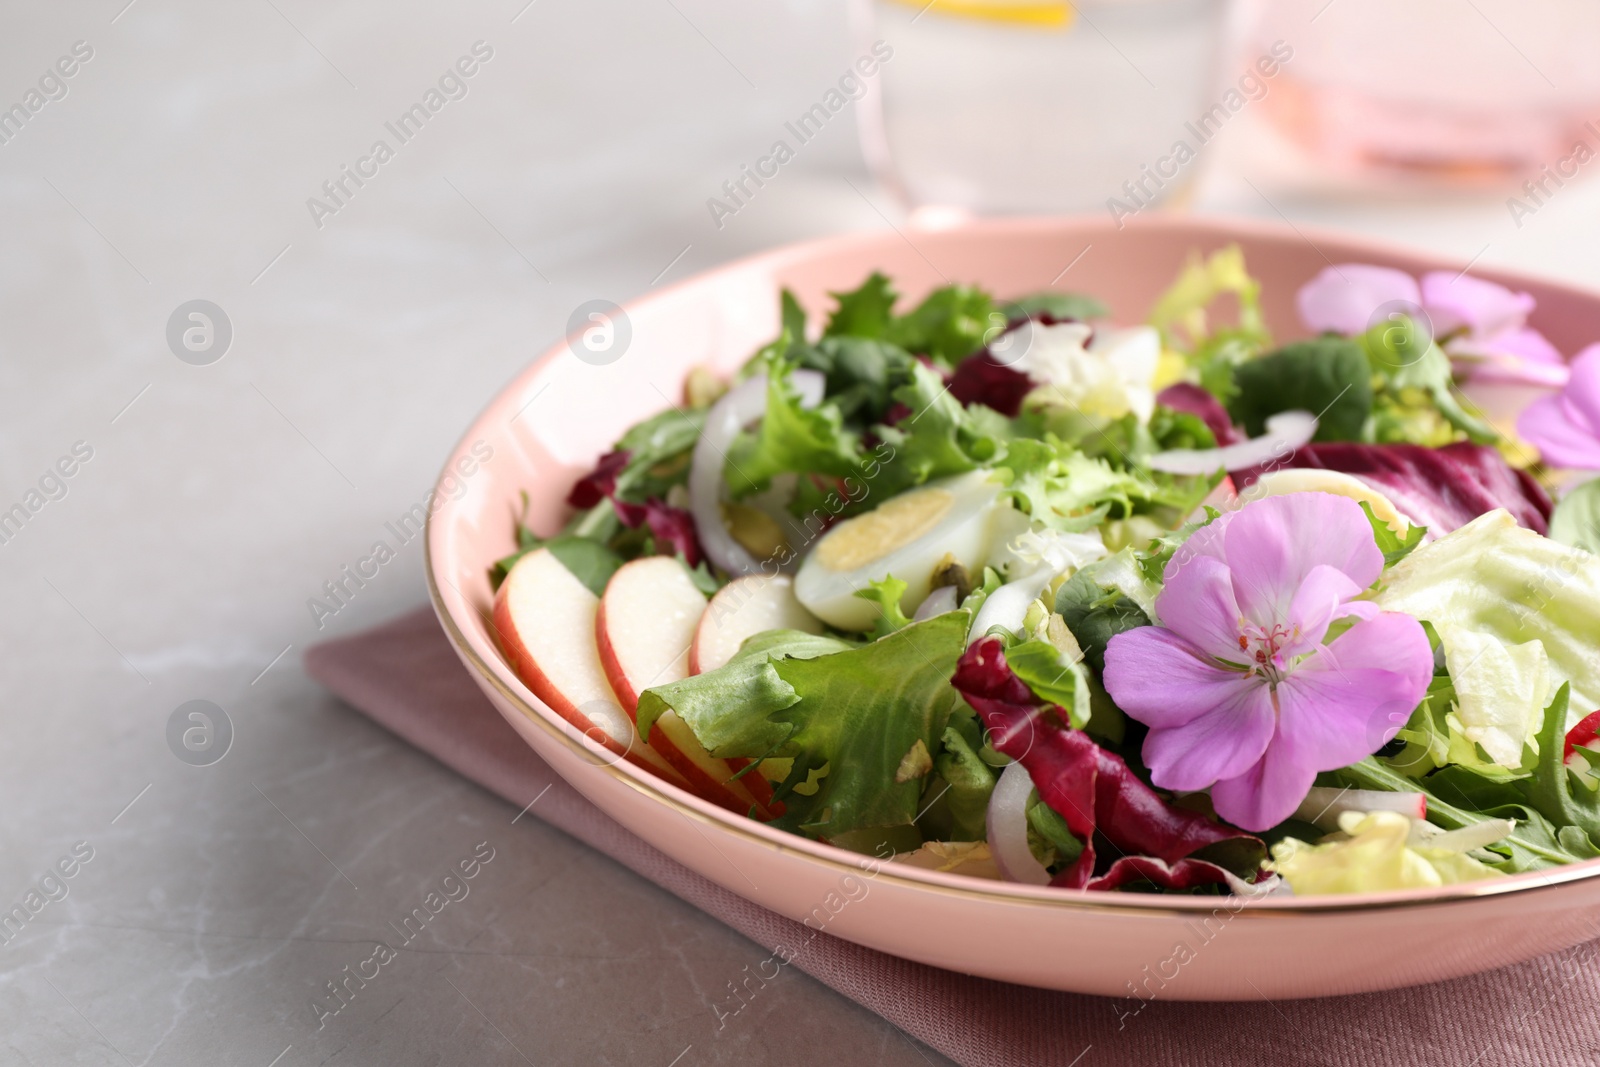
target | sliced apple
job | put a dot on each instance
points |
(545, 621)
(645, 626)
(741, 609)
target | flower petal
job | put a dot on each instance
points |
(1161, 680)
(1266, 794)
(1323, 596)
(1485, 308)
(1517, 357)
(1559, 433)
(1272, 545)
(1223, 743)
(1346, 701)
(1197, 604)
(1343, 298)
(1583, 392)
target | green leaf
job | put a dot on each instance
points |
(590, 562)
(1328, 376)
(793, 317)
(791, 438)
(1053, 678)
(1532, 845)
(1181, 312)
(1057, 305)
(950, 325)
(1394, 547)
(1096, 615)
(659, 449)
(1576, 521)
(1415, 375)
(1052, 830)
(863, 312)
(862, 375)
(727, 709)
(971, 782)
(859, 713)
(1550, 789)
(885, 595)
(937, 439)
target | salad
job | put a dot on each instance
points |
(1006, 589)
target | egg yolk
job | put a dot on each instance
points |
(862, 540)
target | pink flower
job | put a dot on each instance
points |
(1565, 428)
(1482, 325)
(1242, 693)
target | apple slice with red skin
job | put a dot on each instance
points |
(544, 619)
(741, 609)
(644, 627)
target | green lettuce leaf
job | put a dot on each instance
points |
(885, 595)
(853, 712)
(791, 439)
(1053, 677)
(863, 312)
(970, 782)
(1576, 521)
(862, 375)
(1327, 376)
(1096, 614)
(950, 325)
(1057, 305)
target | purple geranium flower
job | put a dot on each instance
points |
(1240, 687)
(1565, 428)
(1482, 325)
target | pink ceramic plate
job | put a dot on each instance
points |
(551, 423)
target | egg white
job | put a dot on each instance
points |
(846, 559)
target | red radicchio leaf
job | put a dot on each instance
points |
(979, 379)
(1093, 790)
(1193, 400)
(600, 482)
(671, 527)
(1440, 488)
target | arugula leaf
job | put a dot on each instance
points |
(1394, 547)
(863, 312)
(1550, 789)
(1053, 831)
(971, 782)
(1532, 845)
(1096, 615)
(1057, 306)
(1328, 376)
(1576, 521)
(1053, 678)
(950, 325)
(885, 595)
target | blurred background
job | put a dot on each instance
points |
(360, 306)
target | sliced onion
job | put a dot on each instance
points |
(939, 601)
(1008, 605)
(1008, 827)
(1323, 806)
(1286, 431)
(739, 406)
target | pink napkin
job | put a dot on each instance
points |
(405, 676)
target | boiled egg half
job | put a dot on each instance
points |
(907, 536)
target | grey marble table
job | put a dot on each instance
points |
(208, 906)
